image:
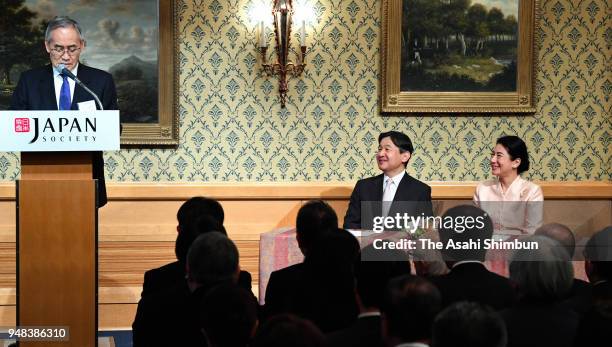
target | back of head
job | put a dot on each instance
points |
(598, 252)
(544, 274)
(212, 259)
(409, 308)
(191, 230)
(561, 233)
(331, 306)
(199, 206)
(334, 250)
(463, 224)
(228, 315)
(469, 324)
(372, 274)
(315, 218)
(289, 331)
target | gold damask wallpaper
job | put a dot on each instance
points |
(233, 129)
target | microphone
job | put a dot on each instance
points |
(64, 71)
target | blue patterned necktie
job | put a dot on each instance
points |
(64, 99)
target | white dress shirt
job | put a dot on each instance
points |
(396, 181)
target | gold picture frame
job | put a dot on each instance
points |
(165, 131)
(396, 100)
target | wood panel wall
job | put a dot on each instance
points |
(137, 228)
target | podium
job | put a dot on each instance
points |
(57, 221)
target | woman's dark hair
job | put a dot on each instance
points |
(517, 149)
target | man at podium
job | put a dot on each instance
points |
(48, 88)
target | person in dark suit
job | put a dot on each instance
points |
(228, 316)
(543, 278)
(372, 274)
(171, 317)
(594, 327)
(397, 190)
(321, 288)
(578, 298)
(468, 278)
(196, 216)
(45, 88)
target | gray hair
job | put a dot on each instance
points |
(544, 273)
(212, 258)
(62, 22)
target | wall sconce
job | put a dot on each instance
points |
(283, 13)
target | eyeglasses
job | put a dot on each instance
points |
(59, 50)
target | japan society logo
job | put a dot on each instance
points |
(22, 125)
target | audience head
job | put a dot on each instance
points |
(598, 256)
(469, 324)
(409, 308)
(516, 151)
(212, 260)
(315, 218)
(289, 331)
(228, 315)
(462, 224)
(561, 233)
(196, 207)
(544, 274)
(394, 152)
(373, 273)
(191, 230)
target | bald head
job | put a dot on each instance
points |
(561, 234)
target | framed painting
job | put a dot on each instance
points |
(448, 56)
(133, 40)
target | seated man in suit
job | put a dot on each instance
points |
(321, 288)
(410, 306)
(46, 88)
(372, 274)
(196, 216)
(594, 327)
(170, 317)
(468, 278)
(398, 191)
(581, 290)
(543, 277)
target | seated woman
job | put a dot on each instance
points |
(513, 203)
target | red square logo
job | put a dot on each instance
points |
(22, 125)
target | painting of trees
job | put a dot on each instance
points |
(458, 45)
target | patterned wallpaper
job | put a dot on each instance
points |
(233, 129)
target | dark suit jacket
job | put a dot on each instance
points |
(415, 195)
(540, 325)
(169, 318)
(303, 290)
(170, 275)
(366, 332)
(36, 91)
(473, 282)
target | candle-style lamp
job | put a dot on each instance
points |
(283, 13)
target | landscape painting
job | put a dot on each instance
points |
(121, 38)
(458, 55)
(459, 45)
